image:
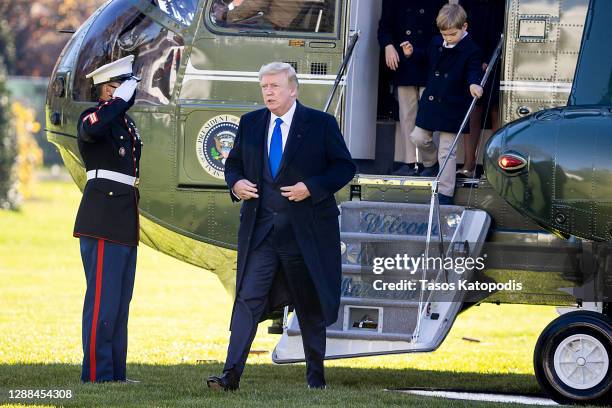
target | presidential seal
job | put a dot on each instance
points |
(214, 142)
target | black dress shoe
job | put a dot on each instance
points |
(229, 381)
(445, 200)
(129, 381)
(406, 171)
(431, 171)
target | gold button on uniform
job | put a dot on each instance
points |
(110, 193)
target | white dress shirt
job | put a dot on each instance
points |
(285, 126)
(447, 45)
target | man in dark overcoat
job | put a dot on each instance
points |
(287, 162)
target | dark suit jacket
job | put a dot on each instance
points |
(409, 20)
(315, 154)
(108, 140)
(447, 97)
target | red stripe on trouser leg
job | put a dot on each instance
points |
(94, 323)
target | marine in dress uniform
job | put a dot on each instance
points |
(107, 220)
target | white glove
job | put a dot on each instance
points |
(126, 90)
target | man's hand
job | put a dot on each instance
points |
(296, 192)
(126, 90)
(476, 91)
(407, 48)
(391, 57)
(245, 190)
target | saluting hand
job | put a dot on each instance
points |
(245, 190)
(391, 57)
(296, 192)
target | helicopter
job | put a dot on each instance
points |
(541, 212)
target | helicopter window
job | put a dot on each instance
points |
(304, 16)
(182, 10)
(119, 31)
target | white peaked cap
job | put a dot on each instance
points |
(115, 69)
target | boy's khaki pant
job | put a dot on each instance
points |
(431, 154)
(408, 98)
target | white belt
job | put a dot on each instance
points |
(113, 175)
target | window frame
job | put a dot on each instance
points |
(213, 28)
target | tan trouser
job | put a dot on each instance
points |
(408, 97)
(431, 154)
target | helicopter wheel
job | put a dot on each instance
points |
(572, 358)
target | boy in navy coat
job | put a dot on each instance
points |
(454, 74)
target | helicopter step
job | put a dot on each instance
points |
(399, 289)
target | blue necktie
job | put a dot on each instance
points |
(276, 148)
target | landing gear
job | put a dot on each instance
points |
(572, 358)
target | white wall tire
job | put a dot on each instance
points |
(572, 358)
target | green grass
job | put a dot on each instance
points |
(178, 333)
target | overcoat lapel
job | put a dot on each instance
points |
(260, 130)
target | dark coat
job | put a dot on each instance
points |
(409, 20)
(447, 97)
(108, 139)
(315, 154)
(485, 23)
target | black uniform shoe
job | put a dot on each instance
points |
(431, 171)
(229, 381)
(129, 381)
(406, 171)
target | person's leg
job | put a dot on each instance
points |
(448, 176)
(428, 150)
(495, 117)
(250, 303)
(104, 280)
(470, 141)
(89, 254)
(406, 151)
(308, 310)
(120, 336)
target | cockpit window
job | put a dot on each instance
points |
(300, 16)
(181, 10)
(121, 30)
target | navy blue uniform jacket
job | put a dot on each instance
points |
(409, 20)
(315, 154)
(108, 139)
(447, 97)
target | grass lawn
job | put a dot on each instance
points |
(178, 333)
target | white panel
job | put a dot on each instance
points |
(362, 81)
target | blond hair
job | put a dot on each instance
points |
(451, 16)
